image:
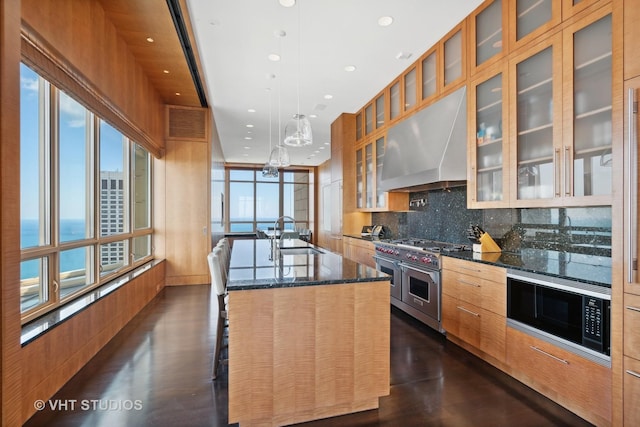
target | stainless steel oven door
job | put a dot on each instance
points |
(421, 290)
(392, 268)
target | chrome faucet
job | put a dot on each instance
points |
(282, 234)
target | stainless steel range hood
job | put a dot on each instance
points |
(429, 149)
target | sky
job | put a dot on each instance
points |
(72, 151)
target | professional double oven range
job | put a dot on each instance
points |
(415, 268)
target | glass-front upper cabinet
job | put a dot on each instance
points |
(571, 7)
(380, 195)
(486, 31)
(368, 175)
(489, 144)
(429, 74)
(587, 153)
(359, 180)
(533, 18)
(410, 89)
(536, 136)
(454, 56)
(368, 119)
(394, 100)
(359, 116)
(380, 110)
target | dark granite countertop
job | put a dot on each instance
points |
(365, 238)
(585, 268)
(251, 268)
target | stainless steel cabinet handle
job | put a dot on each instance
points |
(475, 270)
(556, 178)
(567, 170)
(468, 311)
(630, 307)
(533, 347)
(634, 373)
(464, 282)
(632, 186)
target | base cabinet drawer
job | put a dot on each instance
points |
(477, 290)
(631, 392)
(474, 325)
(632, 326)
(578, 384)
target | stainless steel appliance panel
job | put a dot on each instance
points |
(421, 290)
(392, 268)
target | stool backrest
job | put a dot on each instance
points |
(217, 282)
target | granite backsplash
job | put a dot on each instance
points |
(445, 217)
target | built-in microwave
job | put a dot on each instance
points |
(577, 313)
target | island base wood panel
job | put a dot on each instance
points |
(303, 353)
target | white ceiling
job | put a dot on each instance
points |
(235, 37)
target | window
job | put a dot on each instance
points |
(76, 176)
(255, 202)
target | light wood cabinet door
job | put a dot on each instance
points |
(530, 19)
(578, 384)
(632, 326)
(487, 35)
(488, 140)
(631, 38)
(632, 178)
(631, 392)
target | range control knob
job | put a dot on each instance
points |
(426, 260)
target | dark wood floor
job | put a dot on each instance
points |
(157, 372)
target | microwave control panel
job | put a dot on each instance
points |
(593, 318)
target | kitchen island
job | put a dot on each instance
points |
(308, 334)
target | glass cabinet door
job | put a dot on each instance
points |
(531, 15)
(488, 33)
(453, 58)
(489, 151)
(368, 186)
(380, 111)
(368, 119)
(536, 151)
(429, 70)
(410, 92)
(394, 95)
(359, 180)
(380, 200)
(359, 126)
(592, 104)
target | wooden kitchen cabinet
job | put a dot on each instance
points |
(631, 37)
(454, 57)
(358, 250)
(410, 89)
(474, 307)
(631, 180)
(486, 34)
(488, 140)
(530, 19)
(578, 384)
(560, 121)
(631, 391)
(369, 159)
(429, 75)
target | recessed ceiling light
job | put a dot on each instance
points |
(287, 3)
(327, 143)
(251, 110)
(274, 57)
(385, 21)
(350, 68)
(327, 96)
(150, 39)
(313, 116)
(248, 138)
(177, 93)
(321, 148)
(165, 71)
(247, 148)
(249, 126)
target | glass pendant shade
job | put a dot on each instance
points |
(269, 171)
(279, 157)
(297, 133)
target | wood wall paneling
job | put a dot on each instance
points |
(10, 352)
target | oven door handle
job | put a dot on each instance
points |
(392, 261)
(406, 267)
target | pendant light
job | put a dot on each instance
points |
(279, 155)
(269, 171)
(298, 130)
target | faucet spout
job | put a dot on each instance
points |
(282, 234)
